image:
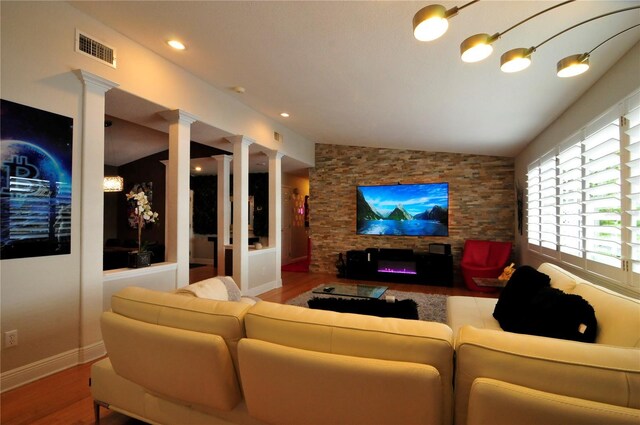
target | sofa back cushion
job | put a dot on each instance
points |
(412, 341)
(500, 403)
(176, 346)
(221, 318)
(595, 372)
(192, 367)
(333, 389)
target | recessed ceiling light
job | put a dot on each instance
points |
(284, 115)
(176, 44)
(238, 89)
(198, 168)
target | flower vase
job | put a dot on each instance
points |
(139, 259)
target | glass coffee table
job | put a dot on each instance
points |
(351, 290)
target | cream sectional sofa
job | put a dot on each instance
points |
(175, 359)
(508, 378)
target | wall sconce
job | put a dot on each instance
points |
(431, 22)
(518, 59)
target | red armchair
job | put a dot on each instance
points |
(483, 259)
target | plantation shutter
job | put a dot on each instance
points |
(548, 222)
(533, 205)
(570, 200)
(633, 205)
(602, 205)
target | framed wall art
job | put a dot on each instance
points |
(35, 182)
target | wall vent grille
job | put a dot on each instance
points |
(278, 137)
(91, 47)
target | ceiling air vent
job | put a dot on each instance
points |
(89, 46)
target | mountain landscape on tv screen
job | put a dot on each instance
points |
(432, 220)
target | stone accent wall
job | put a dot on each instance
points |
(481, 198)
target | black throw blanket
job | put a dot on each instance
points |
(529, 305)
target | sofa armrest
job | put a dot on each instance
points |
(595, 372)
(500, 403)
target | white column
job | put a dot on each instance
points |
(91, 211)
(275, 210)
(224, 209)
(241, 211)
(177, 193)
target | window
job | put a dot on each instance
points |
(583, 198)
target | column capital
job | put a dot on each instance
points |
(178, 115)
(274, 154)
(94, 80)
(223, 158)
(241, 139)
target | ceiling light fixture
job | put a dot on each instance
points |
(478, 47)
(577, 64)
(518, 59)
(284, 115)
(176, 44)
(431, 22)
(198, 168)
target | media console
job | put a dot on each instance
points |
(402, 265)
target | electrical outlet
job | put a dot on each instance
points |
(11, 338)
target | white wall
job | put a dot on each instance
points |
(40, 297)
(619, 82)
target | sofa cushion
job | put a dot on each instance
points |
(357, 335)
(324, 388)
(192, 367)
(474, 311)
(595, 372)
(501, 403)
(222, 318)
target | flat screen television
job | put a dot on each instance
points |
(403, 210)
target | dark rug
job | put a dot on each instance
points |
(405, 309)
(431, 307)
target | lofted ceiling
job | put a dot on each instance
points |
(351, 73)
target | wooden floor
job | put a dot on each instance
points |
(64, 398)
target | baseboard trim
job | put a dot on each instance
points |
(28, 373)
(263, 288)
(91, 352)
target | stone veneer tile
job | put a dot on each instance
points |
(481, 198)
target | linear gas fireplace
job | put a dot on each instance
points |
(399, 267)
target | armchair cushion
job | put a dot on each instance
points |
(482, 258)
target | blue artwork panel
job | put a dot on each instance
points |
(35, 182)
